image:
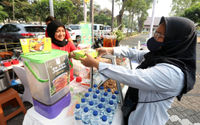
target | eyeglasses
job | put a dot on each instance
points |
(158, 35)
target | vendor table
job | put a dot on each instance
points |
(64, 118)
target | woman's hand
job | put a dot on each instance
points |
(104, 51)
(71, 55)
(89, 61)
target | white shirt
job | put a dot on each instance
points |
(155, 83)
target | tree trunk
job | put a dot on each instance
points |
(132, 16)
(119, 17)
(129, 23)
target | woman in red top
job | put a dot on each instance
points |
(56, 31)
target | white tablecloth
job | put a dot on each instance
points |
(34, 118)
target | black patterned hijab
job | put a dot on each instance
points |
(51, 30)
(179, 49)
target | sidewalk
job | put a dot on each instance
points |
(186, 111)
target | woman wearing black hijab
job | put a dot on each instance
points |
(56, 31)
(166, 71)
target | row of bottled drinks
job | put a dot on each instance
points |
(97, 107)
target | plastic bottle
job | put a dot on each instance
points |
(95, 99)
(100, 109)
(114, 99)
(91, 106)
(111, 106)
(116, 93)
(83, 103)
(95, 119)
(86, 116)
(95, 87)
(77, 114)
(109, 92)
(109, 115)
(104, 120)
(90, 90)
(105, 95)
(98, 94)
(87, 97)
(101, 90)
(103, 101)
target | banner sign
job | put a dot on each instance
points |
(86, 34)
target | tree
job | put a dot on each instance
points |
(23, 11)
(3, 14)
(40, 10)
(102, 16)
(120, 16)
(7, 7)
(64, 10)
(193, 13)
(137, 10)
(178, 6)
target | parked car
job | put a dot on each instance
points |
(71, 32)
(12, 33)
(76, 31)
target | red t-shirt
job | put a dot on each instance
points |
(67, 35)
(69, 48)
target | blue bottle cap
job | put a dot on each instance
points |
(102, 99)
(113, 97)
(77, 106)
(97, 91)
(111, 102)
(101, 87)
(95, 85)
(104, 118)
(100, 105)
(90, 90)
(105, 94)
(94, 96)
(83, 100)
(95, 113)
(91, 103)
(86, 109)
(87, 94)
(108, 90)
(108, 110)
(116, 92)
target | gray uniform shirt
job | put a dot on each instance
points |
(155, 83)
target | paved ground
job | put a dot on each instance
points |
(185, 112)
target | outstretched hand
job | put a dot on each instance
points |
(89, 61)
(104, 51)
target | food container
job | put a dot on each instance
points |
(48, 75)
(7, 63)
(81, 53)
(15, 61)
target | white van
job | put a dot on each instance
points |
(98, 30)
(107, 30)
(76, 31)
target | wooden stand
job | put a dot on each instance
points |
(7, 97)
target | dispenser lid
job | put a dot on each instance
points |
(41, 58)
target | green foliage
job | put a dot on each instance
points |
(103, 17)
(178, 6)
(3, 14)
(193, 13)
(119, 35)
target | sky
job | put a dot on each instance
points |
(162, 7)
